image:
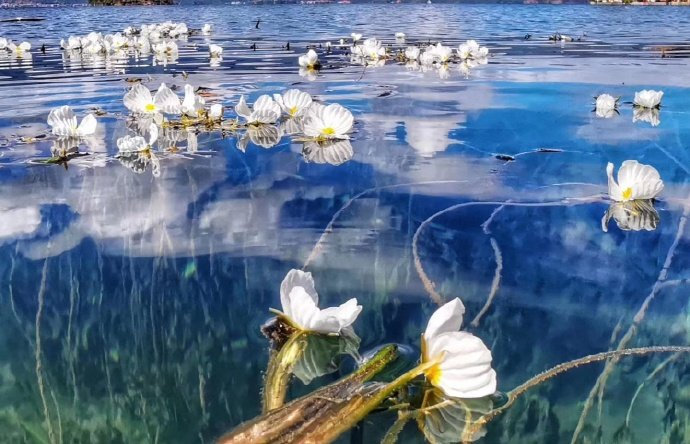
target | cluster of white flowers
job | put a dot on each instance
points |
(646, 105)
(17, 50)
(370, 49)
(142, 103)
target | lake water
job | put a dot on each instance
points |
(131, 305)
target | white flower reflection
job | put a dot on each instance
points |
(461, 362)
(649, 115)
(265, 136)
(635, 181)
(299, 301)
(136, 153)
(633, 215)
(332, 152)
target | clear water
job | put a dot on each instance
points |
(130, 305)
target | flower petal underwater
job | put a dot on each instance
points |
(299, 300)
(635, 181)
(461, 362)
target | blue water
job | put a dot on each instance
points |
(130, 305)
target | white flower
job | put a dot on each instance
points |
(370, 48)
(265, 110)
(471, 50)
(648, 98)
(192, 103)
(216, 112)
(461, 363)
(328, 122)
(309, 60)
(19, 50)
(4, 43)
(412, 53)
(441, 53)
(64, 123)
(605, 106)
(355, 37)
(215, 50)
(400, 36)
(165, 48)
(135, 144)
(139, 101)
(300, 306)
(294, 102)
(72, 43)
(329, 45)
(635, 181)
(206, 29)
(427, 58)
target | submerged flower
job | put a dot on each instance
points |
(328, 122)
(192, 102)
(293, 102)
(412, 53)
(633, 215)
(635, 181)
(309, 60)
(648, 98)
(215, 50)
(605, 105)
(63, 122)
(139, 101)
(299, 300)
(265, 110)
(460, 362)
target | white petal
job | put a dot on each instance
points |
(87, 126)
(242, 109)
(614, 189)
(166, 100)
(345, 314)
(448, 318)
(297, 278)
(137, 98)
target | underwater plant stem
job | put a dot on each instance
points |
(391, 436)
(632, 329)
(520, 390)
(39, 354)
(318, 247)
(495, 283)
(656, 371)
(279, 371)
(429, 285)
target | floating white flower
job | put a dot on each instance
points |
(355, 37)
(215, 50)
(648, 98)
(215, 113)
(63, 122)
(605, 106)
(471, 50)
(71, 44)
(460, 362)
(165, 48)
(310, 60)
(371, 48)
(633, 215)
(265, 110)
(300, 306)
(206, 29)
(19, 50)
(427, 58)
(192, 102)
(4, 43)
(412, 52)
(328, 122)
(293, 102)
(400, 36)
(635, 181)
(440, 53)
(139, 101)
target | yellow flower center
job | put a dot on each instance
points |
(433, 375)
(627, 193)
(328, 131)
(150, 108)
(293, 110)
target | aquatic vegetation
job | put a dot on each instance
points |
(140, 101)
(606, 106)
(63, 123)
(635, 182)
(355, 37)
(215, 50)
(293, 102)
(193, 104)
(207, 29)
(648, 99)
(328, 122)
(471, 50)
(412, 53)
(310, 60)
(264, 111)
(371, 49)
(299, 303)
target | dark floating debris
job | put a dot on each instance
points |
(22, 19)
(549, 150)
(504, 157)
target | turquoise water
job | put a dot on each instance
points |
(131, 305)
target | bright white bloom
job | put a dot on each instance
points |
(635, 181)
(294, 102)
(63, 122)
(471, 50)
(72, 43)
(427, 58)
(192, 102)
(139, 101)
(440, 53)
(206, 29)
(400, 36)
(329, 45)
(355, 37)
(19, 50)
(215, 50)
(605, 106)
(461, 362)
(370, 48)
(4, 43)
(648, 98)
(412, 53)
(215, 112)
(265, 110)
(309, 60)
(300, 306)
(328, 122)
(165, 48)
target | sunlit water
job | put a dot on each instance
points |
(130, 305)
